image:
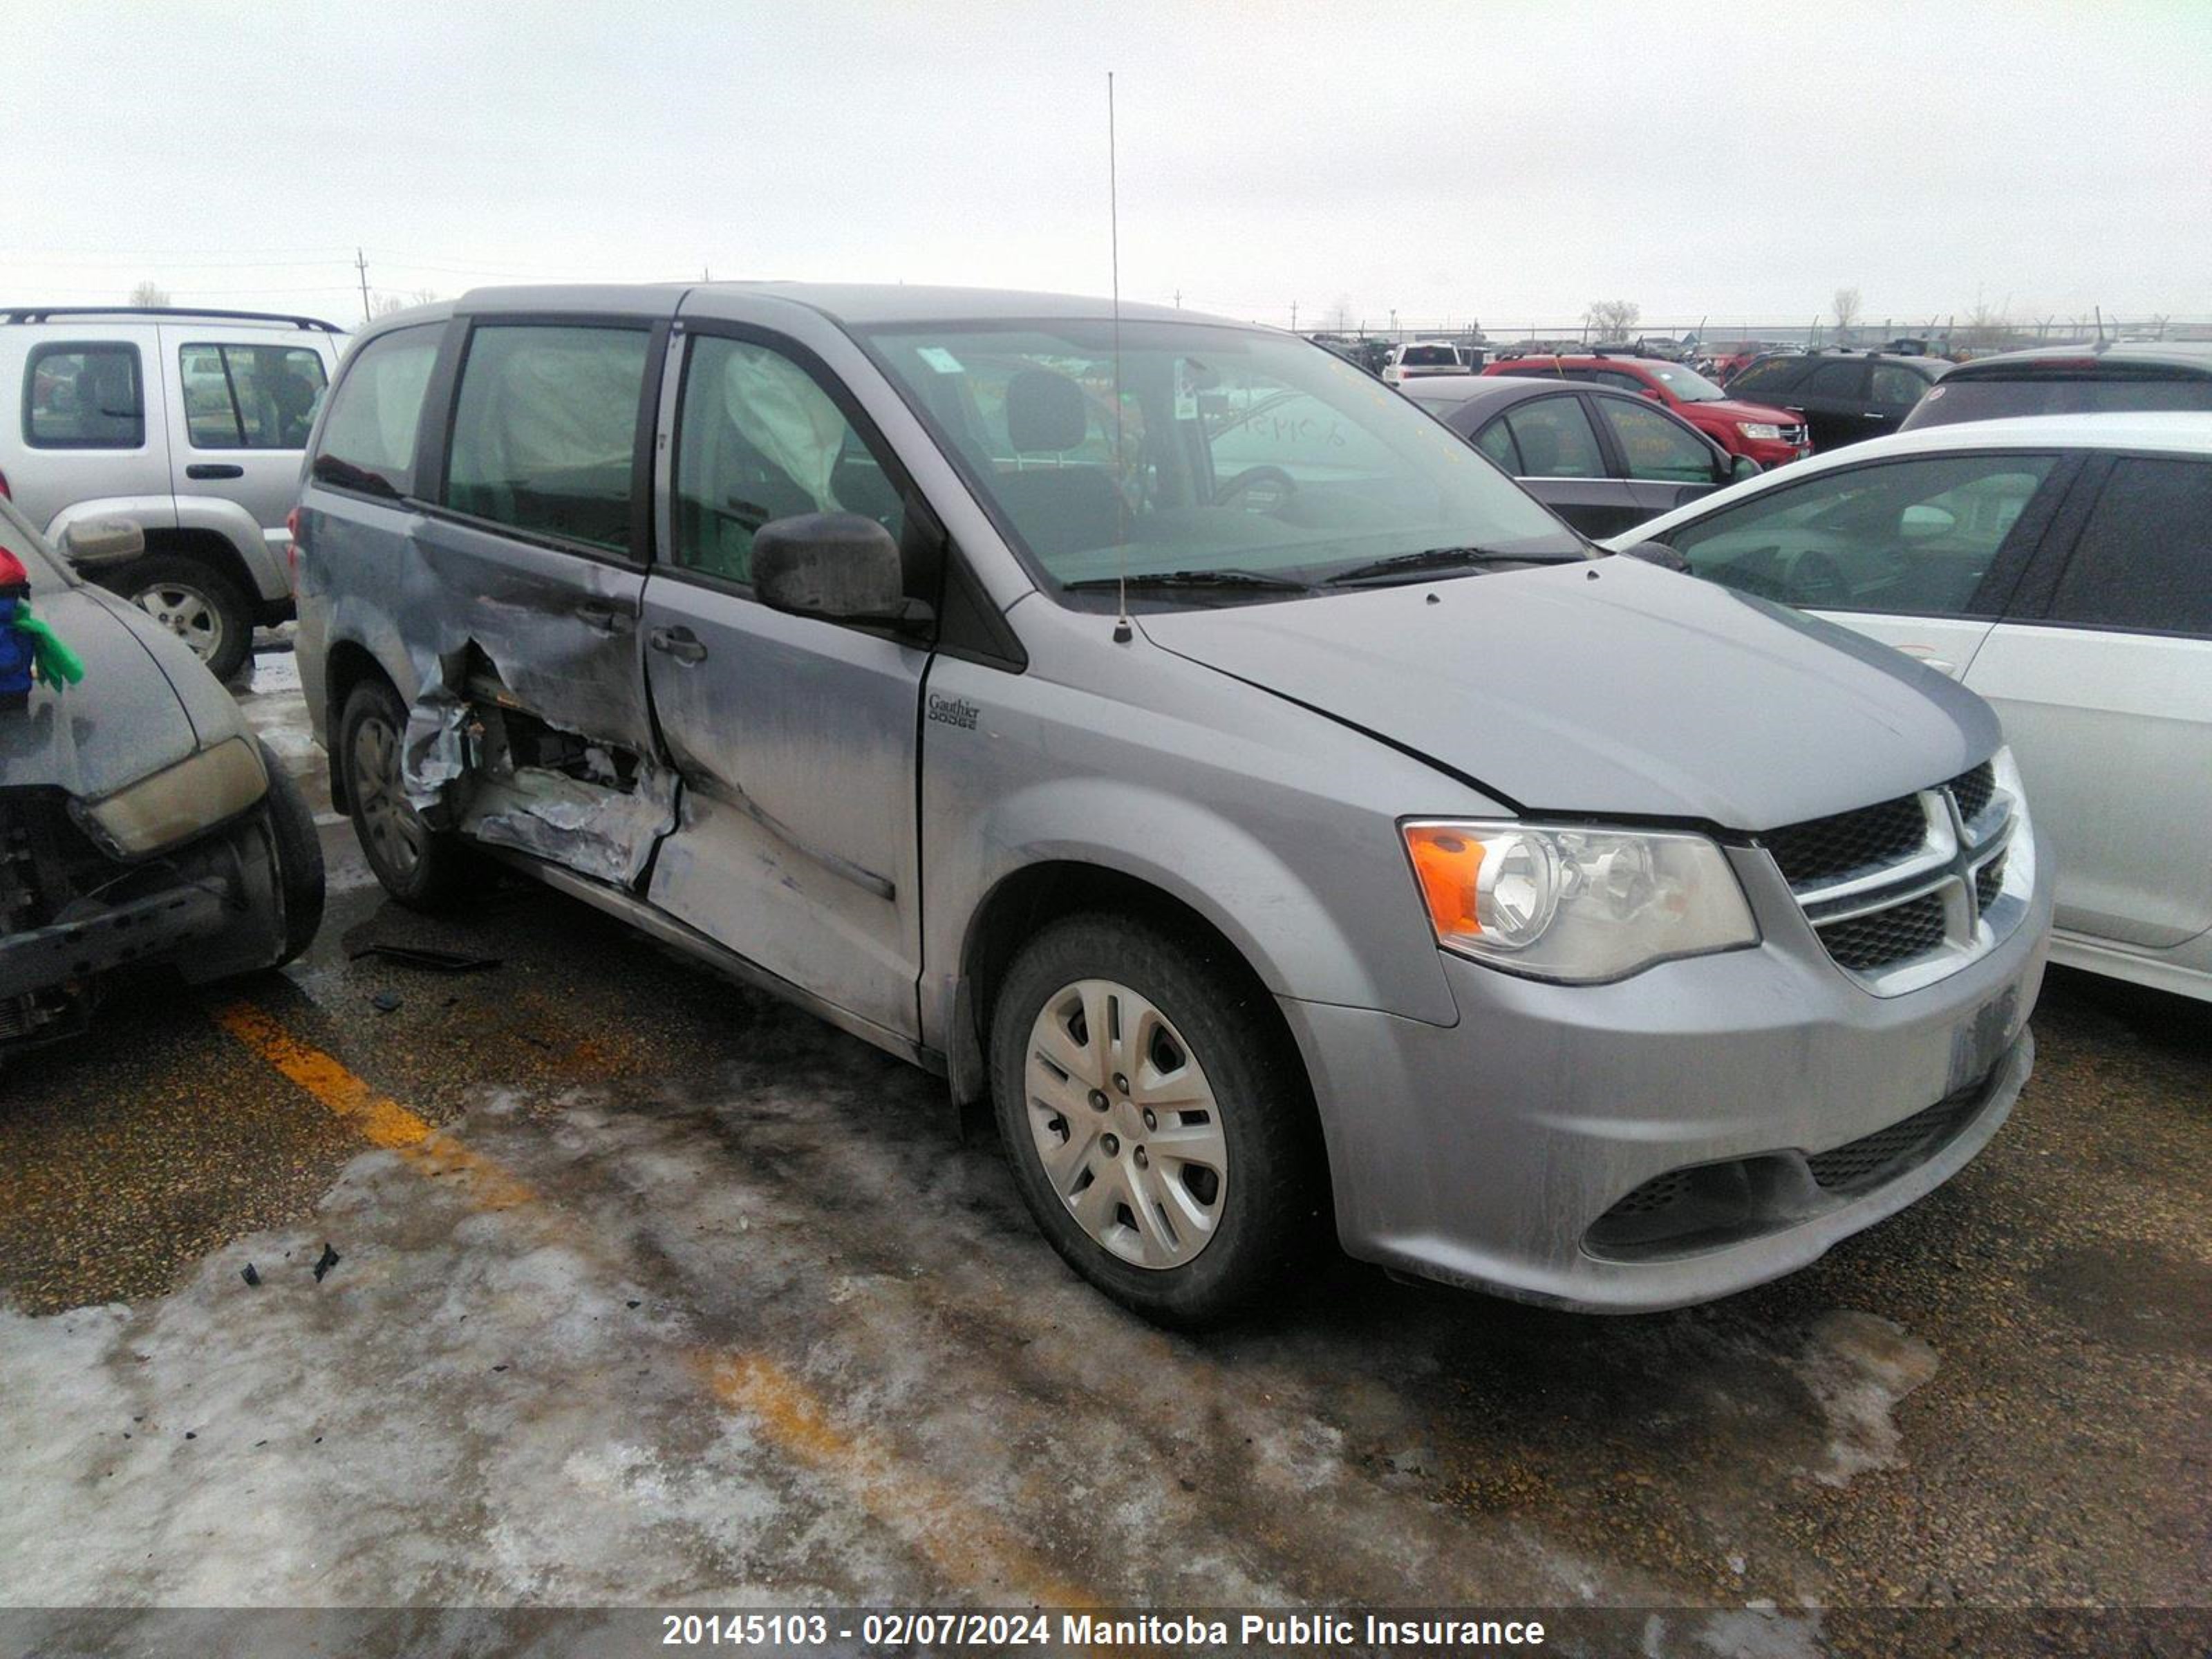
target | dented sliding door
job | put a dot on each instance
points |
(531, 728)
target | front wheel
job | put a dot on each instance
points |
(1158, 1126)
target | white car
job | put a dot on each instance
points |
(1417, 357)
(2061, 567)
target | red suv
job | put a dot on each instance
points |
(1769, 436)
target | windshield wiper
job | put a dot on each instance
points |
(1250, 579)
(1439, 558)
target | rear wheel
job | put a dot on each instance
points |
(422, 867)
(199, 605)
(1158, 1126)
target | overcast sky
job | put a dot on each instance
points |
(1507, 161)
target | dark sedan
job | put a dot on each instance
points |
(1603, 460)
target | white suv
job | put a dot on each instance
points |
(189, 423)
(1418, 357)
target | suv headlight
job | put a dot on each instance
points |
(1581, 905)
(177, 802)
(1758, 429)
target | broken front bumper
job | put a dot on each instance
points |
(70, 914)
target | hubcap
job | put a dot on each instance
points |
(1145, 1175)
(395, 833)
(187, 613)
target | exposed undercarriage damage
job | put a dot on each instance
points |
(477, 760)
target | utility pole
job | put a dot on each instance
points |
(1178, 298)
(361, 263)
(1294, 316)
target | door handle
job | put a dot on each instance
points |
(680, 643)
(213, 470)
(602, 616)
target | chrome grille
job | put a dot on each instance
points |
(1906, 891)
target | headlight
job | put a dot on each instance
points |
(198, 791)
(1562, 903)
(1758, 429)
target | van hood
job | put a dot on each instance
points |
(122, 721)
(1610, 689)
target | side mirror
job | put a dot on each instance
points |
(1741, 467)
(1659, 554)
(1923, 523)
(102, 541)
(840, 567)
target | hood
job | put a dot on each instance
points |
(122, 721)
(1611, 689)
(1735, 408)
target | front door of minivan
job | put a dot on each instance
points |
(795, 737)
(534, 555)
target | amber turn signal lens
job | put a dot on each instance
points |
(1446, 862)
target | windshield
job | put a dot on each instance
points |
(48, 573)
(1686, 384)
(1233, 450)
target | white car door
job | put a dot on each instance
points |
(2103, 676)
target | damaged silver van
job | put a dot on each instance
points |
(1160, 727)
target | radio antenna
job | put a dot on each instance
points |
(1122, 631)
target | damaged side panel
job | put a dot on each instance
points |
(529, 727)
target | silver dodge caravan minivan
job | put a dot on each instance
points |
(1162, 728)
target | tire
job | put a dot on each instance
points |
(1240, 1205)
(195, 602)
(423, 868)
(299, 857)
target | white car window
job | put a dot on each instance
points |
(1912, 538)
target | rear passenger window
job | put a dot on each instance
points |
(1892, 384)
(84, 397)
(1497, 442)
(1555, 439)
(242, 396)
(1656, 447)
(759, 439)
(2145, 556)
(545, 432)
(369, 442)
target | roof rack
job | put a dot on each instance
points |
(46, 313)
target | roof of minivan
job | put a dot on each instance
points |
(857, 305)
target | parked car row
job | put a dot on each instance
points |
(1165, 732)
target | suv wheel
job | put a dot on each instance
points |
(201, 606)
(422, 867)
(1158, 1129)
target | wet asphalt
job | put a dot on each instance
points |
(2002, 1396)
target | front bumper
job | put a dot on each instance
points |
(210, 907)
(1484, 1154)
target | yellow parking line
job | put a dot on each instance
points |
(378, 1119)
(936, 1521)
(943, 1524)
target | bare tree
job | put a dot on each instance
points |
(148, 294)
(1612, 319)
(384, 304)
(1846, 303)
